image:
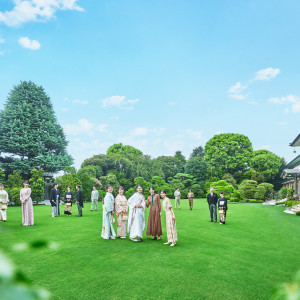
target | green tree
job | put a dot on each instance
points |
(169, 165)
(69, 178)
(2, 176)
(30, 134)
(228, 153)
(268, 187)
(110, 179)
(14, 184)
(197, 167)
(266, 163)
(260, 193)
(247, 189)
(37, 184)
(230, 179)
(197, 152)
(223, 186)
(282, 193)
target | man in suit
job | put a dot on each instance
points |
(55, 200)
(79, 200)
(212, 200)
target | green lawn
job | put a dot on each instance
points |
(245, 259)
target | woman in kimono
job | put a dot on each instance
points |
(154, 221)
(170, 219)
(190, 196)
(3, 203)
(27, 207)
(108, 231)
(68, 202)
(121, 212)
(136, 218)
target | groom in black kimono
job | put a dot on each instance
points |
(212, 200)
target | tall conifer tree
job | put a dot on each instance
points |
(30, 134)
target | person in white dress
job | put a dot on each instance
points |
(3, 203)
(94, 198)
(136, 218)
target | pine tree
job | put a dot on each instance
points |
(30, 134)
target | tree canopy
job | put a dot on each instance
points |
(30, 134)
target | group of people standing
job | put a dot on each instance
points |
(177, 196)
(131, 214)
(68, 199)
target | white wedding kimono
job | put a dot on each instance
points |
(136, 217)
(3, 204)
(108, 231)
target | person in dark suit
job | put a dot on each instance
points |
(212, 200)
(55, 200)
(79, 200)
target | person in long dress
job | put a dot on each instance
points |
(27, 206)
(94, 199)
(55, 200)
(3, 203)
(170, 220)
(154, 220)
(108, 231)
(177, 195)
(222, 205)
(191, 196)
(136, 218)
(68, 202)
(121, 212)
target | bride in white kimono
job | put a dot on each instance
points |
(108, 231)
(136, 217)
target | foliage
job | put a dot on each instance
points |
(169, 165)
(37, 184)
(236, 196)
(288, 291)
(222, 186)
(260, 192)
(2, 176)
(30, 134)
(230, 179)
(228, 153)
(69, 178)
(251, 174)
(247, 189)
(269, 189)
(298, 213)
(266, 163)
(109, 179)
(197, 152)
(282, 193)
(14, 184)
(197, 167)
(290, 194)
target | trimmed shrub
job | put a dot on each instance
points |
(260, 192)
(298, 213)
(282, 193)
(247, 189)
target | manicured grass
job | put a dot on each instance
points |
(244, 259)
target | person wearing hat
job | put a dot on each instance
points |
(27, 206)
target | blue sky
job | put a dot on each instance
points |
(159, 75)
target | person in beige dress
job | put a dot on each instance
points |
(191, 197)
(170, 220)
(121, 212)
(3, 203)
(27, 206)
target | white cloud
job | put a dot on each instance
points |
(26, 11)
(172, 103)
(292, 99)
(65, 109)
(266, 74)
(237, 96)
(102, 127)
(29, 44)
(237, 88)
(84, 126)
(119, 102)
(140, 131)
(84, 102)
(2, 53)
(194, 134)
(2, 40)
